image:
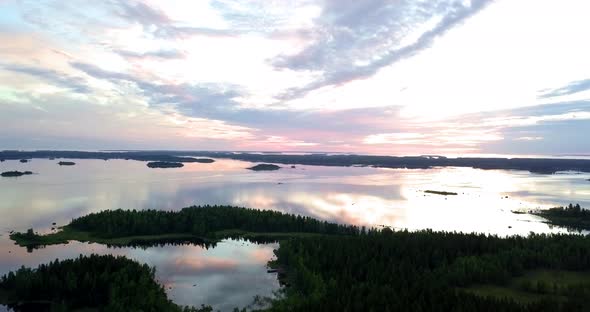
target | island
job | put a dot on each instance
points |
(15, 173)
(573, 217)
(24, 160)
(195, 224)
(327, 266)
(264, 167)
(440, 192)
(66, 163)
(164, 164)
(204, 160)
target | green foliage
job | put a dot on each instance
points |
(335, 267)
(195, 225)
(573, 217)
(106, 283)
(201, 221)
(424, 271)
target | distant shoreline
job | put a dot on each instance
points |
(533, 165)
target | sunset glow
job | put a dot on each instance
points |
(458, 77)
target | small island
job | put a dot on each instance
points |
(24, 160)
(264, 167)
(203, 160)
(66, 163)
(15, 173)
(440, 192)
(164, 164)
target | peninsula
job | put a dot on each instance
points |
(572, 217)
(200, 224)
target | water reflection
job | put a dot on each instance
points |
(227, 276)
(358, 195)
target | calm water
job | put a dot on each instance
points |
(234, 272)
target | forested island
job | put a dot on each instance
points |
(265, 167)
(204, 160)
(535, 165)
(87, 283)
(572, 217)
(445, 193)
(196, 224)
(15, 173)
(66, 163)
(337, 267)
(164, 164)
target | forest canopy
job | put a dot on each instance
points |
(106, 283)
(347, 268)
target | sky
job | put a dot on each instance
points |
(373, 76)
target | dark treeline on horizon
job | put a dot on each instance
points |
(536, 165)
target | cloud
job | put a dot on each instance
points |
(354, 39)
(441, 138)
(536, 128)
(162, 54)
(529, 138)
(193, 100)
(571, 88)
(100, 73)
(161, 25)
(74, 84)
(142, 13)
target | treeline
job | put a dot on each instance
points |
(105, 283)
(133, 155)
(423, 271)
(538, 165)
(572, 217)
(353, 269)
(201, 221)
(571, 210)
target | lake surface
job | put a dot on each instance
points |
(233, 272)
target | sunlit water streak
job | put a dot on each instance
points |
(232, 273)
